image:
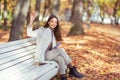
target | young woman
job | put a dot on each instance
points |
(46, 50)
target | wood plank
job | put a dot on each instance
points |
(33, 73)
(29, 75)
(50, 74)
(12, 43)
(17, 57)
(15, 62)
(50, 67)
(21, 66)
(15, 47)
(11, 76)
(17, 69)
(9, 54)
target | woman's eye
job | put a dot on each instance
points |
(51, 21)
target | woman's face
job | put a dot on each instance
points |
(52, 23)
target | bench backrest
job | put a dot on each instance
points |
(17, 62)
(17, 50)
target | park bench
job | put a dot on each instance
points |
(17, 62)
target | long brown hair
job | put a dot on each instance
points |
(57, 28)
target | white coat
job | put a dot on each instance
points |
(43, 38)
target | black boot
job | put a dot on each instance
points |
(74, 73)
(63, 78)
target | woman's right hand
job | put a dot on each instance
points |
(32, 17)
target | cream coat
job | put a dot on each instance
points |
(43, 38)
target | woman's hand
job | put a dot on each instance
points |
(32, 17)
(42, 63)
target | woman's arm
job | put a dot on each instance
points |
(30, 31)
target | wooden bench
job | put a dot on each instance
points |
(17, 62)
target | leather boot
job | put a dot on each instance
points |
(74, 73)
(63, 78)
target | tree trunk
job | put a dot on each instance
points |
(102, 16)
(37, 9)
(46, 8)
(55, 7)
(117, 4)
(88, 8)
(52, 7)
(77, 10)
(5, 15)
(19, 19)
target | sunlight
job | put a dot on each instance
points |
(95, 52)
(90, 38)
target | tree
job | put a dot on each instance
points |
(46, 8)
(19, 18)
(110, 8)
(88, 7)
(37, 9)
(116, 8)
(76, 18)
(51, 7)
(5, 15)
(55, 7)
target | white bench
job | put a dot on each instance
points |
(17, 62)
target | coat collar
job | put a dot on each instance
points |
(50, 30)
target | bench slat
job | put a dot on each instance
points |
(15, 62)
(34, 76)
(49, 74)
(34, 73)
(7, 49)
(9, 54)
(12, 43)
(15, 72)
(24, 66)
(15, 57)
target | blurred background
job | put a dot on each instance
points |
(90, 31)
(15, 14)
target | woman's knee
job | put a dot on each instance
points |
(61, 49)
(59, 58)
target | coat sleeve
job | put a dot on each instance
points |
(34, 33)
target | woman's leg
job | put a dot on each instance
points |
(55, 55)
(62, 67)
(64, 54)
(72, 69)
(52, 54)
(58, 52)
(61, 62)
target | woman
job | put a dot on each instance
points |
(46, 50)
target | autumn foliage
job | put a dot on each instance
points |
(96, 54)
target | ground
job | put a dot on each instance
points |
(95, 54)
